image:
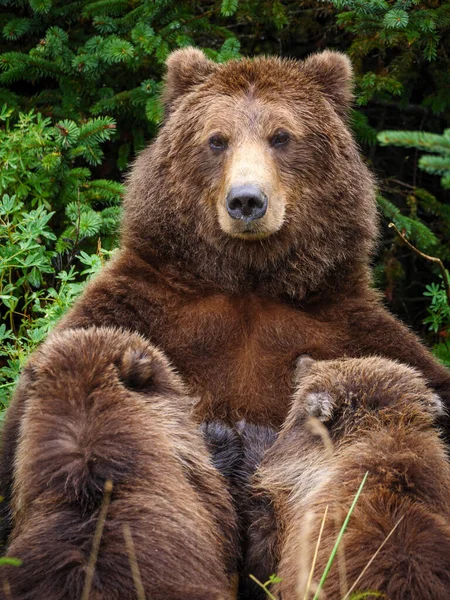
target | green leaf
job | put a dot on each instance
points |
(396, 19)
(229, 50)
(9, 560)
(154, 110)
(229, 7)
(89, 223)
(144, 37)
(16, 28)
(67, 133)
(116, 50)
(40, 6)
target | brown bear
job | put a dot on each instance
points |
(247, 234)
(379, 415)
(103, 405)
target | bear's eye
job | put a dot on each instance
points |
(280, 138)
(217, 142)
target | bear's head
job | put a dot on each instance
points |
(344, 393)
(254, 181)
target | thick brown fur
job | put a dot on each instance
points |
(231, 304)
(104, 405)
(237, 453)
(379, 415)
(233, 314)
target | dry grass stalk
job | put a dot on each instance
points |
(97, 539)
(129, 544)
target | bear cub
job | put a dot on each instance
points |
(349, 417)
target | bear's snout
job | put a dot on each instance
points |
(246, 202)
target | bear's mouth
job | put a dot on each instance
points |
(250, 235)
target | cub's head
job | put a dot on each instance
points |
(254, 166)
(341, 393)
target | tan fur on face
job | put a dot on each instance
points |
(248, 124)
(251, 163)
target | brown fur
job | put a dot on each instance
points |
(379, 415)
(237, 453)
(233, 314)
(101, 404)
(232, 307)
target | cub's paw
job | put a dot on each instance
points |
(316, 402)
(256, 440)
(225, 446)
(143, 368)
(435, 406)
(303, 366)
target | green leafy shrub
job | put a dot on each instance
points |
(50, 209)
(81, 60)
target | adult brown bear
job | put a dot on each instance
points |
(246, 239)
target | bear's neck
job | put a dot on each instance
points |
(208, 271)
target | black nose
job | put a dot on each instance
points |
(246, 202)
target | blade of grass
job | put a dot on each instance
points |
(261, 585)
(358, 579)
(316, 552)
(368, 594)
(339, 538)
(140, 592)
(97, 539)
(7, 590)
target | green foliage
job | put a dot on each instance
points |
(438, 162)
(401, 33)
(50, 208)
(438, 319)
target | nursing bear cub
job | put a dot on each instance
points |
(248, 229)
(378, 416)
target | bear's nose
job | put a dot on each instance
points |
(246, 202)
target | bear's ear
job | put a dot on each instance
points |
(302, 367)
(320, 405)
(333, 72)
(185, 69)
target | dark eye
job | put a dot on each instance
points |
(217, 142)
(281, 138)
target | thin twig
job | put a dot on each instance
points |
(316, 552)
(399, 182)
(434, 259)
(372, 559)
(263, 586)
(7, 589)
(339, 538)
(97, 539)
(318, 428)
(129, 544)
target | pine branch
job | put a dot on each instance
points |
(434, 259)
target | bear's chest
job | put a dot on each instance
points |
(238, 354)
